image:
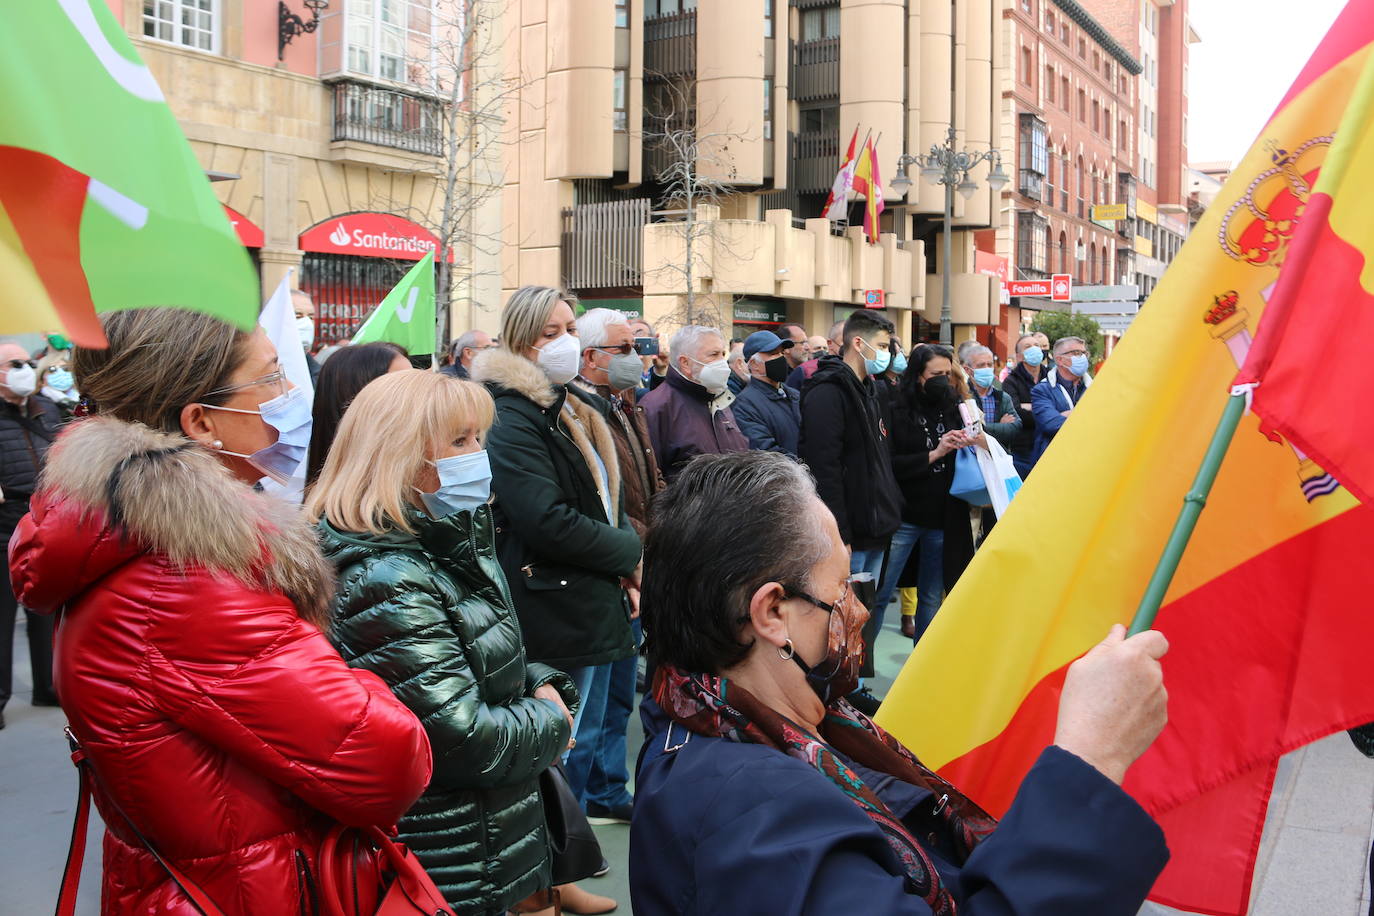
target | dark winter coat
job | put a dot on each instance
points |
(917, 429)
(723, 828)
(561, 555)
(1049, 400)
(639, 473)
(431, 615)
(1018, 384)
(683, 423)
(227, 727)
(26, 433)
(769, 417)
(844, 441)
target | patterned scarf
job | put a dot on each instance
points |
(709, 705)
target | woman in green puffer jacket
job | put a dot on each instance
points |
(402, 511)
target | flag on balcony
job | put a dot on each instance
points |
(102, 203)
(1268, 648)
(868, 183)
(837, 204)
(406, 316)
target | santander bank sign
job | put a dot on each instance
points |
(372, 235)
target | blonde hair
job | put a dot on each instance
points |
(394, 426)
(526, 313)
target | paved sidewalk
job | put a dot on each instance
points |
(1313, 861)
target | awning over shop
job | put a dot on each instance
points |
(249, 232)
(371, 235)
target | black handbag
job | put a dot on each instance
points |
(576, 854)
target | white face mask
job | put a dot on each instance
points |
(22, 381)
(713, 376)
(305, 326)
(559, 359)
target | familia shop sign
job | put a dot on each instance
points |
(371, 235)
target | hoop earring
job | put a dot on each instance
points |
(790, 650)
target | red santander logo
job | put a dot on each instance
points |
(377, 235)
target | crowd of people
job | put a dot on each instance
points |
(483, 556)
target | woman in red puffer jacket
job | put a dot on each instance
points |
(188, 654)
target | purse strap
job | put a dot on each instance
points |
(71, 875)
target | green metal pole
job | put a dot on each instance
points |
(1187, 518)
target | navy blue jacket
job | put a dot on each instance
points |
(769, 417)
(724, 828)
(1049, 400)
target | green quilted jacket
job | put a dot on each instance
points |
(431, 615)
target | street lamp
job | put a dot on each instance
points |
(950, 167)
(289, 25)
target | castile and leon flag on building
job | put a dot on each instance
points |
(1268, 614)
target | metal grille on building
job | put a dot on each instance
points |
(346, 288)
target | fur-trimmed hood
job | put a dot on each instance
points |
(113, 491)
(584, 424)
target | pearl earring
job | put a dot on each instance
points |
(217, 444)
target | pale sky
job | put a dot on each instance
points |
(1250, 53)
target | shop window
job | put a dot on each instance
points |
(189, 23)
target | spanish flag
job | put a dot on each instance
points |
(868, 183)
(1267, 616)
(102, 202)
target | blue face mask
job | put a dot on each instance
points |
(880, 361)
(983, 377)
(1078, 365)
(61, 380)
(464, 484)
(289, 415)
(1033, 356)
(899, 363)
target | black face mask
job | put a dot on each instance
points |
(937, 390)
(777, 369)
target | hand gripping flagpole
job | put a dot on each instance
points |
(1193, 502)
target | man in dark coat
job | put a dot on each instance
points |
(767, 411)
(610, 371)
(844, 441)
(834, 343)
(1028, 372)
(28, 426)
(1055, 398)
(690, 414)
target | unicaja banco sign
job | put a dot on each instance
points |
(371, 235)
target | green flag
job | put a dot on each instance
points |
(406, 315)
(102, 203)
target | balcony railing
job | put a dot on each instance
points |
(670, 44)
(386, 117)
(603, 244)
(816, 158)
(816, 70)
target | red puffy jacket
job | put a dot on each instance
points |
(226, 726)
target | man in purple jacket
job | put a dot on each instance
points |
(689, 414)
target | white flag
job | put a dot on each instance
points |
(278, 322)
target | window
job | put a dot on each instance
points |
(390, 40)
(1064, 99)
(1032, 242)
(1049, 84)
(1064, 30)
(1082, 47)
(1064, 184)
(1049, 23)
(1107, 127)
(821, 120)
(190, 23)
(1097, 115)
(1034, 159)
(1049, 179)
(622, 14)
(1097, 61)
(1026, 65)
(768, 109)
(767, 18)
(621, 116)
(1081, 208)
(818, 25)
(1082, 105)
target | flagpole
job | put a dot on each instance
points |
(1193, 502)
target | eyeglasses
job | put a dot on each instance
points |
(1074, 353)
(21, 363)
(622, 350)
(830, 608)
(277, 378)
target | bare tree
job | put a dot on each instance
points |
(693, 169)
(463, 136)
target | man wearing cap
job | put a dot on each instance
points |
(767, 411)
